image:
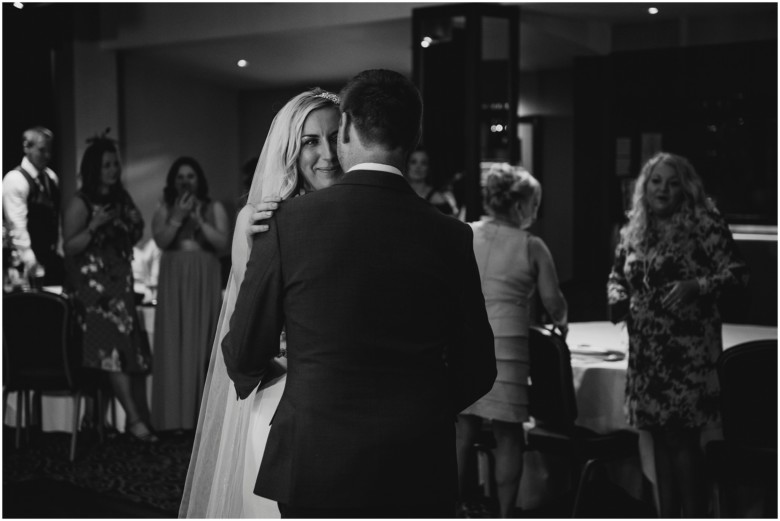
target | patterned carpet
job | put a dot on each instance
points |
(123, 478)
(128, 478)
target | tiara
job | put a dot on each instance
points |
(328, 96)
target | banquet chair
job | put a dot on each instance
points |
(42, 354)
(553, 408)
(746, 457)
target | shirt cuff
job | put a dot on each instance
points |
(28, 258)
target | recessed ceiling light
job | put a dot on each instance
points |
(242, 63)
(653, 10)
(426, 42)
(19, 5)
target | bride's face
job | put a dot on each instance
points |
(317, 161)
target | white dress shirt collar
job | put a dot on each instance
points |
(27, 165)
(376, 166)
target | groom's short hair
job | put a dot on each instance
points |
(385, 108)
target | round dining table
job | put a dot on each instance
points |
(599, 362)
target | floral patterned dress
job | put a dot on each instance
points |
(671, 381)
(102, 280)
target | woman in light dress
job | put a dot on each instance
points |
(299, 156)
(513, 264)
(191, 229)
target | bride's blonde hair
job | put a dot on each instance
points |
(276, 172)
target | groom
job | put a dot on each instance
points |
(387, 334)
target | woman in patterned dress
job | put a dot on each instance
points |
(513, 264)
(675, 256)
(101, 225)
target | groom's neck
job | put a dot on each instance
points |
(378, 155)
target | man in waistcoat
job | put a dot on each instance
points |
(31, 209)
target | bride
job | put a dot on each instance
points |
(299, 156)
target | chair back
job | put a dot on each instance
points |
(552, 400)
(748, 393)
(39, 352)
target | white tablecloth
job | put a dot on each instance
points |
(599, 387)
(600, 392)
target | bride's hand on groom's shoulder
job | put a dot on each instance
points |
(262, 212)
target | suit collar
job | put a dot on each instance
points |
(375, 178)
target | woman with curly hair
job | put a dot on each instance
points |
(101, 226)
(675, 256)
(513, 264)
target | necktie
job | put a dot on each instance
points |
(43, 179)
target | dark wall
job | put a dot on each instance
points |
(716, 105)
(28, 78)
(38, 74)
(756, 304)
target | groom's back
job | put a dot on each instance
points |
(371, 304)
(381, 258)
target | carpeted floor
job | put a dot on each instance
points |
(123, 478)
(602, 500)
(119, 478)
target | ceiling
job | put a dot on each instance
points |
(318, 43)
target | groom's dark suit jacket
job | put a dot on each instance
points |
(387, 340)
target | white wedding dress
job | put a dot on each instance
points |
(264, 403)
(231, 434)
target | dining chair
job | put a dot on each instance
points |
(746, 457)
(41, 355)
(553, 407)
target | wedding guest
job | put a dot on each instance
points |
(675, 255)
(101, 226)
(513, 264)
(418, 173)
(190, 229)
(31, 209)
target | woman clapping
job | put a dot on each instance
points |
(190, 229)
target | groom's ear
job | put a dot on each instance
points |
(344, 126)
